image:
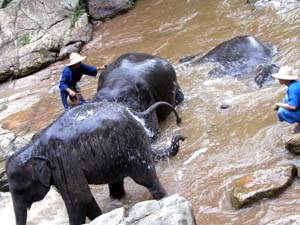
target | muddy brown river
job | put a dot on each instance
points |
(221, 145)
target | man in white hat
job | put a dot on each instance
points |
(289, 110)
(72, 73)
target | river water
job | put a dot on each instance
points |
(221, 145)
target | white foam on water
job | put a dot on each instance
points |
(195, 155)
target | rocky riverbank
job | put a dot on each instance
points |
(36, 33)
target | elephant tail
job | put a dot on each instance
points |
(154, 106)
(170, 151)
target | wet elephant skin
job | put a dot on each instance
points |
(95, 143)
(138, 80)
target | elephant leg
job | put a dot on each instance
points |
(75, 191)
(76, 213)
(116, 190)
(148, 178)
(82, 205)
(93, 210)
(179, 96)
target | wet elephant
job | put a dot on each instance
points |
(240, 56)
(138, 80)
(95, 143)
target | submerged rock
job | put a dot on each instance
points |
(173, 210)
(261, 184)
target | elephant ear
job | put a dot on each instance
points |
(144, 94)
(41, 171)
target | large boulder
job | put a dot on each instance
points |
(262, 184)
(33, 32)
(173, 210)
(104, 9)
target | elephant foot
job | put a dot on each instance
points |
(116, 190)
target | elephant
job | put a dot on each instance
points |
(138, 80)
(242, 55)
(94, 143)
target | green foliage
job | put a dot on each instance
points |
(25, 40)
(78, 13)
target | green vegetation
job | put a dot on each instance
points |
(25, 40)
(78, 13)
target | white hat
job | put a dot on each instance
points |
(75, 58)
(285, 73)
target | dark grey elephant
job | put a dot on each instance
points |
(95, 143)
(240, 56)
(138, 80)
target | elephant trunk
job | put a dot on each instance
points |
(154, 106)
(20, 213)
(169, 152)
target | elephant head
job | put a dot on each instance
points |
(28, 182)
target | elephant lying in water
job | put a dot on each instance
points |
(240, 56)
(138, 80)
(95, 143)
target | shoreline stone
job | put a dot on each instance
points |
(172, 210)
(261, 184)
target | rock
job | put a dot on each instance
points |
(4, 3)
(292, 143)
(104, 9)
(3, 181)
(33, 32)
(111, 218)
(287, 220)
(9, 143)
(226, 104)
(173, 210)
(261, 184)
(67, 50)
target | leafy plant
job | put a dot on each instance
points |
(25, 40)
(78, 13)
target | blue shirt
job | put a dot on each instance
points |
(293, 94)
(70, 77)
